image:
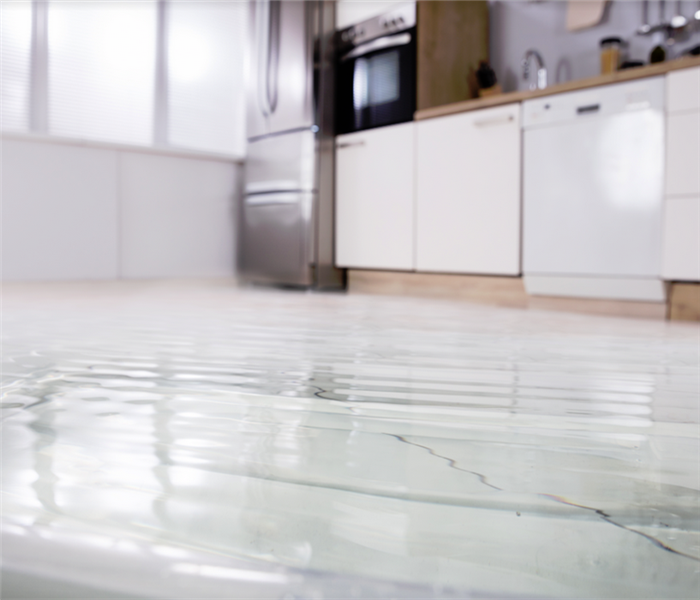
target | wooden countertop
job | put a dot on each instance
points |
(580, 84)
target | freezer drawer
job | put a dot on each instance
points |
(277, 238)
(281, 163)
(280, 95)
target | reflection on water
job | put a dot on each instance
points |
(414, 441)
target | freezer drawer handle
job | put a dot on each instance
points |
(591, 108)
(350, 144)
(497, 121)
(273, 199)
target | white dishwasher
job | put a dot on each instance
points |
(593, 190)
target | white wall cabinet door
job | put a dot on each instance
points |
(468, 192)
(375, 198)
(682, 239)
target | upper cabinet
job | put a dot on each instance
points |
(452, 38)
(375, 198)
(468, 192)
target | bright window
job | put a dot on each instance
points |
(16, 41)
(102, 69)
(206, 41)
(105, 69)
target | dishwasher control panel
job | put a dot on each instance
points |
(605, 100)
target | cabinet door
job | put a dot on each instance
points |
(681, 253)
(468, 192)
(375, 198)
(683, 154)
(683, 90)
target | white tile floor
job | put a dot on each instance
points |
(195, 440)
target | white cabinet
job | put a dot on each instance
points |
(375, 198)
(60, 208)
(683, 90)
(177, 217)
(681, 242)
(468, 192)
(683, 154)
(682, 239)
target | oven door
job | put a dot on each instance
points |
(377, 83)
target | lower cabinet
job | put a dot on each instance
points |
(468, 192)
(683, 154)
(375, 198)
(681, 242)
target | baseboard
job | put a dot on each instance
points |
(496, 291)
(592, 306)
(635, 289)
(499, 291)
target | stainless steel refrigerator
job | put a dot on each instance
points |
(287, 220)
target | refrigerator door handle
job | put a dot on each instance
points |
(262, 23)
(273, 54)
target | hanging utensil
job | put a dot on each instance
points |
(645, 27)
(678, 21)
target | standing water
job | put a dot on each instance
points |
(164, 440)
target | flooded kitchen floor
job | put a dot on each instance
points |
(196, 440)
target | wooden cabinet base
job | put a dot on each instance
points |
(510, 292)
(499, 291)
(684, 302)
(610, 308)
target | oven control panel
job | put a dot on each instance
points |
(398, 19)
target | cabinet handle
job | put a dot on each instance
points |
(496, 121)
(350, 144)
(591, 108)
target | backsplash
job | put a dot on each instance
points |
(517, 26)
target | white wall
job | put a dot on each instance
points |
(517, 25)
(72, 211)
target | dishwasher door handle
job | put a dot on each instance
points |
(590, 108)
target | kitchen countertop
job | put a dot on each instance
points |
(569, 86)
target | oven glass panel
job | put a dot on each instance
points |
(376, 89)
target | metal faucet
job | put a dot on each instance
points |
(541, 71)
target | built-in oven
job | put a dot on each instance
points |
(376, 71)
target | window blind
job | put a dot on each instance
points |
(15, 40)
(101, 69)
